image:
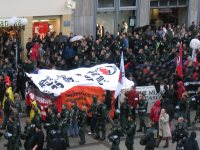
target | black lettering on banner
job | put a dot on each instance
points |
(93, 73)
(49, 82)
(88, 78)
(78, 74)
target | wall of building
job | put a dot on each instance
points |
(83, 21)
(33, 8)
(182, 15)
(194, 10)
(67, 29)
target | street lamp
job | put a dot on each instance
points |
(12, 22)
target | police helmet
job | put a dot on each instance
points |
(113, 138)
(142, 141)
(141, 111)
(53, 132)
(177, 108)
(125, 128)
(32, 126)
(7, 135)
(180, 148)
(23, 136)
(117, 112)
(46, 125)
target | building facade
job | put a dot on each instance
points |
(98, 16)
(42, 16)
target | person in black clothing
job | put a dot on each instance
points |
(58, 143)
(191, 143)
(38, 139)
(51, 103)
(2, 88)
(107, 101)
(7, 110)
(6, 50)
(48, 39)
(29, 45)
(20, 82)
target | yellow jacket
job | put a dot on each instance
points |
(32, 113)
(9, 91)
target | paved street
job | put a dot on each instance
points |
(92, 144)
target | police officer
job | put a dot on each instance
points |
(179, 134)
(142, 110)
(116, 131)
(93, 109)
(28, 134)
(150, 137)
(101, 120)
(198, 107)
(37, 118)
(188, 104)
(130, 131)
(82, 117)
(65, 114)
(125, 110)
(141, 57)
(162, 101)
(58, 143)
(13, 128)
(58, 123)
(182, 104)
(50, 119)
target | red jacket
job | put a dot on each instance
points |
(7, 80)
(133, 98)
(155, 111)
(181, 90)
(35, 53)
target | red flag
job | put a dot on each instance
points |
(127, 65)
(196, 62)
(179, 63)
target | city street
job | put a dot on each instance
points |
(92, 144)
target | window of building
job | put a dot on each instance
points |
(153, 3)
(127, 3)
(163, 3)
(126, 21)
(182, 2)
(105, 22)
(172, 2)
(105, 3)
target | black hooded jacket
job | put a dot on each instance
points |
(108, 100)
(58, 143)
(169, 109)
(191, 143)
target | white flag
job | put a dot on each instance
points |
(194, 55)
(121, 77)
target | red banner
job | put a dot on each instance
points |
(43, 102)
(41, 28)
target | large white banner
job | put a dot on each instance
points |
(54, 81)
(150, 93)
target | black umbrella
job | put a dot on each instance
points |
(61, 38)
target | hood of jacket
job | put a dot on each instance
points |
(181, 124)
(36, 46)
(180, 85)
(167, 102)
(34, 103)
(193, 135)
(157, 103)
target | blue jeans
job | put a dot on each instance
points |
(179, 113)
(74, 128)
(5, 120)
(93, 123)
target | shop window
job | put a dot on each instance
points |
(105, 22)
(126, 21)
(105, 3)
(127, 3)
(172, 2)
(153, 3)
(182, 2)
(163, 3)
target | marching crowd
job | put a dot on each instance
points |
(150, 61)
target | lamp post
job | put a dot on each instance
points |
(12, 22)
